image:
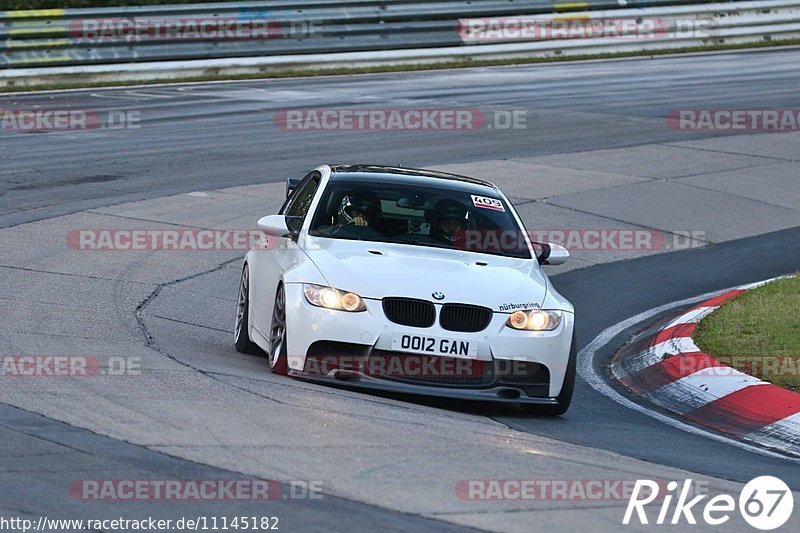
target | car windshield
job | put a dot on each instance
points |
(422, 215)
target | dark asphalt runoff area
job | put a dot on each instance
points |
(202, 137)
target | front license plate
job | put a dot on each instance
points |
(435, 346)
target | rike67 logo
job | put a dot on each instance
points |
(766, 503)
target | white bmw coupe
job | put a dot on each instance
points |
(412, 281)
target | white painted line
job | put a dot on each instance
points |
(758, 283)
(586, 371)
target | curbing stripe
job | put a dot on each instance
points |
(694, 316)
(668, 348)
(701, 388)
(668, 368)
(782, 435)
(721, 299)
(674, 346)
(748, 409)
(719, 381)
(682, 330)
(593, 376)
(667, 371)
(629, 366)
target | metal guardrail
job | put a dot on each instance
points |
(299, 32)
(58, 37)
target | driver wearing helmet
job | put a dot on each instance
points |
(450, 219)
(360, 208)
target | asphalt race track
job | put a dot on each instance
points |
(201, 411)
(206, 136)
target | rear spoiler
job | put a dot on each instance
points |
(291, 185)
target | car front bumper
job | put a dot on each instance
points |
(358, 336)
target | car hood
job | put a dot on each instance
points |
(377, 270)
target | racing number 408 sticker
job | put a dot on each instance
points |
(485, 202)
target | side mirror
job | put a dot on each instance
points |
(274, 225)
(552, 254)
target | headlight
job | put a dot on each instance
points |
(536, 320)
(331, 298)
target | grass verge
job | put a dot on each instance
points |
(460, 63)
(758, 333)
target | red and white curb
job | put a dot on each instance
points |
(668, 369)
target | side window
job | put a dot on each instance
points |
(300, 201)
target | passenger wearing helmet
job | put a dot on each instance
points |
(450, 219)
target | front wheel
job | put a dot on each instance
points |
(565, 397)
(277, 337)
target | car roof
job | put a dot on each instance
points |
(410, 175)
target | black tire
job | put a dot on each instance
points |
(241, 332)
(565, 396)
(278, 361)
